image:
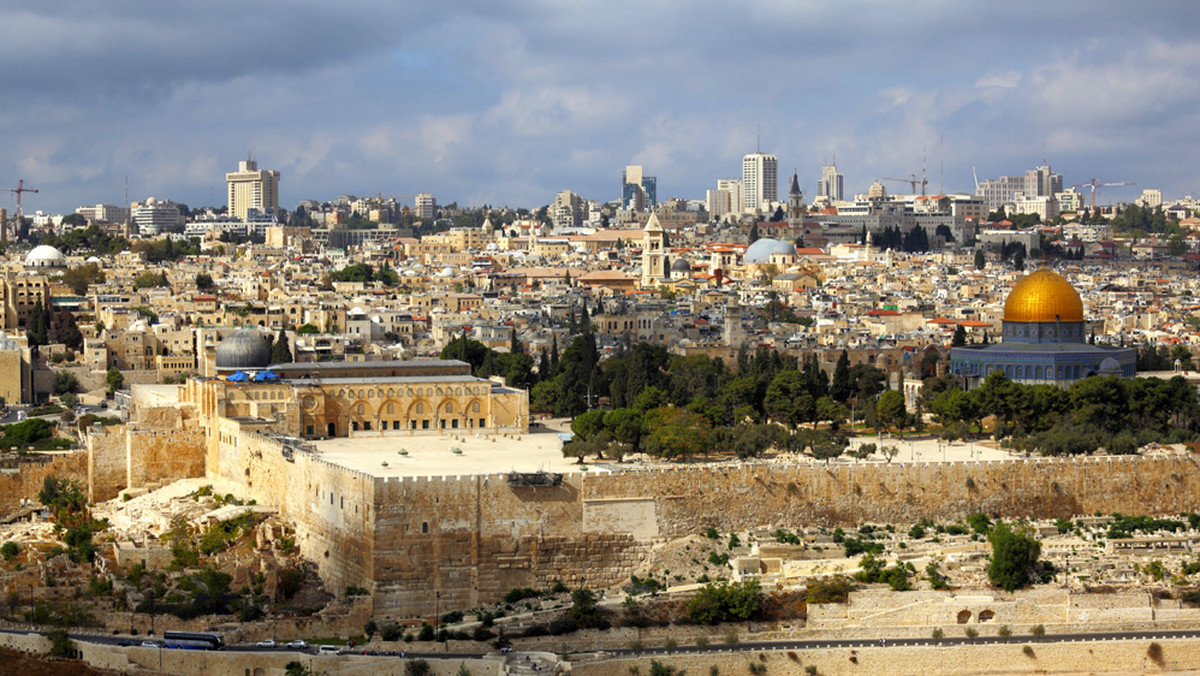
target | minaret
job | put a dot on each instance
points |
(654, 253)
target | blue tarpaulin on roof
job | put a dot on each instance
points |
(238, 377)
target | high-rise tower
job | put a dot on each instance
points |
(250, 188)
(830, 185)
(760, 181)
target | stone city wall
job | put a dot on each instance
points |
(20, 482)
(690, 499)
(158, 456)
(331, 506)
(472, 539)
(1105, 657)
(463, 541)
(106, 462)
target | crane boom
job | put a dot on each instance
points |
(20, 215)
(1093, 184)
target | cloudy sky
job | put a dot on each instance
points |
(506, 102)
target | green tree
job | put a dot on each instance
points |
(676, 433)
(788, 399)
(891, 411)
(840, 388)
(980, 261)
(37, 328)
(960, 336)
(625, 425)
(115, 379)
(204, 282)
(1014, 557)
(280, 352)
(81, 277)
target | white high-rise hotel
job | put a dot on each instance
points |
(760, 181)
(250, 188)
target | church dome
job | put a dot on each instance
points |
(681, 265)
(762, 250)
(243, 349)
(1043, 296)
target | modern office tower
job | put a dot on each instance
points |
(760, 181)
(830, 185)
(1042, 182)
(251, 188)
(726, 199)
(568, 210)
(638, 191)
(154, 217)
(425, 205)
(104, 213)
(1037, 182)
(1151, 198)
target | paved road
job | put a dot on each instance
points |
(749, 646)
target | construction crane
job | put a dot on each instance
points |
(18, 190)
(1093, 184)
(913, 181)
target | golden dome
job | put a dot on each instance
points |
(1043, 296)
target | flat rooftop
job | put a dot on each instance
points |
(435, 456)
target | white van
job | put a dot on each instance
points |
(329, 650)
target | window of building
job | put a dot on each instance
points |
(482, 423)
(454, 423)
(367, 425)
(354, 425)
(424, 424)
(475, 407)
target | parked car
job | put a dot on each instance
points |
(300, 644)
(329, 650)
(150, 644)
(269, 643)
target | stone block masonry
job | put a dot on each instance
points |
(464, 541)
(20, 484)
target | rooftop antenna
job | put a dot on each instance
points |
(758, 139)
(942, 163)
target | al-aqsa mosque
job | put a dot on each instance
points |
(1044, 340)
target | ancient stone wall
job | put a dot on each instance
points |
(463, 541)
(106, 462)
(332, 507)
(162, 456)
(689, 499)
(20, 483)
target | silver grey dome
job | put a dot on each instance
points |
(762, 250)
(243, 349)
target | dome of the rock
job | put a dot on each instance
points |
(1043, 296)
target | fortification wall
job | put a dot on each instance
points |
(331, 506)
(162, 456)
(689, 499)
(463, 541)
(106, 462)
(471, 539)
(19, 485)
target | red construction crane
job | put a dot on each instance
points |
(18, 190)
(1093, 184)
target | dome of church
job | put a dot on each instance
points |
(243, 349)
(762, 250)
(681, 265)
(1043, 296)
